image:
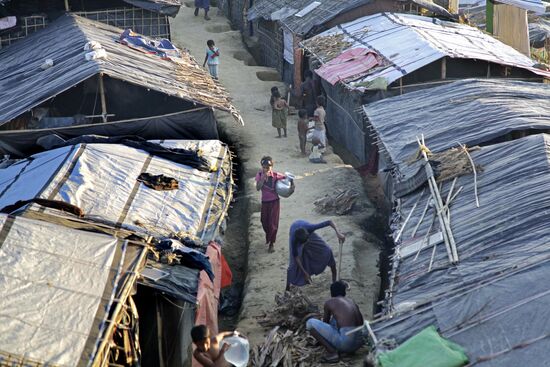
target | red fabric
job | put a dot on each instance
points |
(353, 62)
(208, 295)
(269, 217)
(227, 275)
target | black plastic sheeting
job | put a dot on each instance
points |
(24, 81)
(166, 7)
(539, 32)
(181, 283)
(198, 124)
(470, 112)
(496, 299)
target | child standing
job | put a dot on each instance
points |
(272, 99)
(278, 115)
(303, 127)
(266, 180)
(212, 58)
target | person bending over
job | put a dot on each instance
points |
(309, 254)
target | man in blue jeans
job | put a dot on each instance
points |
(341, 315)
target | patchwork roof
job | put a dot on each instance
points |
(405, 43)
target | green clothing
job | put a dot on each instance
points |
(424, 349)
(278, 119)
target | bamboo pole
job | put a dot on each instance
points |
(102, 95)
(474, 169)
(450, 245)
(421, 218)
(132, 279)
(340, 249)
(409, 216)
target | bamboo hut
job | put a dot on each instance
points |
(388, 54)
(93, 192)
(128, 89)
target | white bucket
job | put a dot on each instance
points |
(238, 352)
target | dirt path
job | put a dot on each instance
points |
(266, 273)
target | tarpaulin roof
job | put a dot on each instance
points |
(167, 7)
(63, 41)
(494, 302)
(408, 42)
(470, 112)
(285, 11)
(101, 180)
(58, 287)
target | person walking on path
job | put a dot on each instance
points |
(202, 4)
(266, 179)
(309, 254)
(319, 116)
(278, 114)
(212, 58)
(341, 315)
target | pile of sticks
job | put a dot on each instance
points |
(287, 349)
(292, 310)
(340, 202)
(326, 48)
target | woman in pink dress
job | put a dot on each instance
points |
(266, 179)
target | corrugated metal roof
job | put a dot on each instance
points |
(408, 42)
(24, 85)
(285, 10)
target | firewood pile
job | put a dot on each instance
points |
(292, 310)
(340, 202)
(289, 349)
(288, 344)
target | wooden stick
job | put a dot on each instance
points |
(408, 217)
(426, 237)
(102, 95)
(106, 337)
(366, 324)
(475, 172)
(340, 248)
(450, 245)
(432, 258)
(421, 218)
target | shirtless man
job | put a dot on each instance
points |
(208, 352)
(341, 315)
